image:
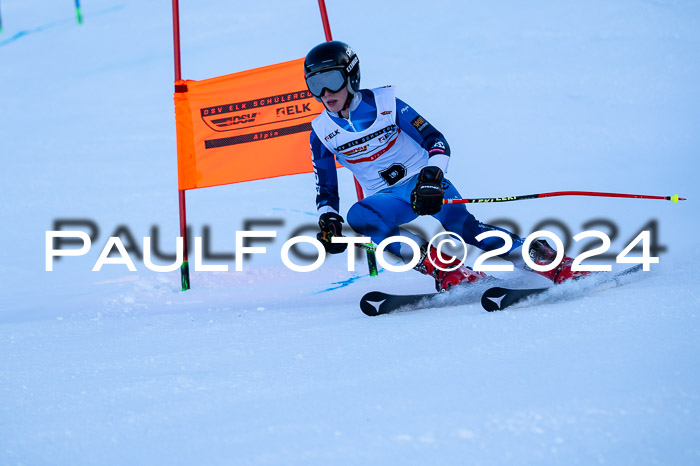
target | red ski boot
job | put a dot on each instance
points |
(542, 253)
(446, 279)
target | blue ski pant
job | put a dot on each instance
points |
(380, 215)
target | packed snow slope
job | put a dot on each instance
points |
(270, 366)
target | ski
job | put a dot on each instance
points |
(499, 298)
(377, 303)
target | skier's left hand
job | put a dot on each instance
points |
(427, 197)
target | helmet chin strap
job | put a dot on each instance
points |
(349, 99)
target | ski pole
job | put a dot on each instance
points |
(675, 198)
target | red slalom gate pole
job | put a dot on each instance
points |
(371, 258)
(185, 267)
(324, 20)
(675, 198)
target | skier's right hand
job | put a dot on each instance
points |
(427, 197)
(331, 225)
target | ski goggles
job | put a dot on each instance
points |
(333, 80)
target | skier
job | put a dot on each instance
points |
(399, 160)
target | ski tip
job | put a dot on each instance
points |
(492, 298)
(371, 303)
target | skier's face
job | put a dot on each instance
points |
(334, 101)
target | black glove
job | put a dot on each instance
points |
(331, 225)
(427, 197)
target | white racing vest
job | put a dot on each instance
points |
(380, 156)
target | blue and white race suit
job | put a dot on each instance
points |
(385, 143)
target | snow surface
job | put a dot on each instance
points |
(269, 366)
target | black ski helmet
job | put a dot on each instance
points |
(334, 55)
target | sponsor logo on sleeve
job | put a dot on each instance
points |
(419, 123)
